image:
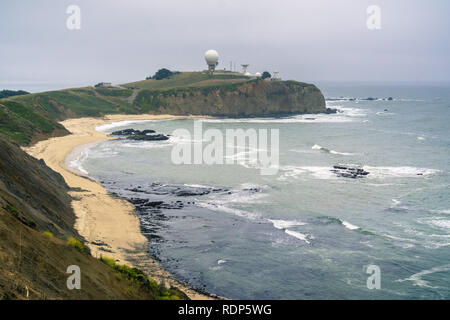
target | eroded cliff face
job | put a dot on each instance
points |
(254, 98)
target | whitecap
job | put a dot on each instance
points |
(350, 226)
(398, 172)
(222, 208)
(317, 172)
(284, 224)
(297, 235)
(318, 147)
(417, 277)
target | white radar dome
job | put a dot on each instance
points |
(258, 74)
(211, 57)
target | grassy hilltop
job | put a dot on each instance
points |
(25, 119)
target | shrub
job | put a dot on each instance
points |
(136, 277)
(48, 233)
(77, 244)
(266, 75)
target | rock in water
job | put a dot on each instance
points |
(143, 135)
(349, 172)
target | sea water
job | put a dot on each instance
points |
(303, 233)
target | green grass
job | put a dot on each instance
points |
(113, 92)
(297, 83)
(24, 117)
(188, 79)
(137, 278)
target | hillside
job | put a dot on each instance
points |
(38, 241)
(26, 119)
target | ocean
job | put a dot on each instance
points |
(305, 232)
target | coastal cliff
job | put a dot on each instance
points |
(249, 99)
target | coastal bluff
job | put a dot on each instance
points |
(249, 99)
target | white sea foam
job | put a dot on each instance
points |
(344, 115)
(321, 172)
(350, 226)
(441, 211)
(318, 147)
(296, 172)
(197, 186)
(284, 224)
(398, 172)
(297, 235)
(109, 126)
(76, 164)
(417, 277)
(145, 144)
(441, 223)
(223, 208)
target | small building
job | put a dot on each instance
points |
(103, 85)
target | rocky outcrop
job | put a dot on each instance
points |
(251, 99)
(144, 135)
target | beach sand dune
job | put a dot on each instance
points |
(108, 224)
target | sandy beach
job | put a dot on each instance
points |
(109, 225)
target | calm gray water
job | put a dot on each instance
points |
(303, 233)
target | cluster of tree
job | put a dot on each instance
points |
(10, 93)
(266, 75)
(162, 74)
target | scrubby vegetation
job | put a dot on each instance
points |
(48, 234)
(77, 244)
(24, 117)
(266, 75)
(11, 93)
(137, 278)
(162, 74)
(34, 206)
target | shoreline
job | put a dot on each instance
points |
(108, 224)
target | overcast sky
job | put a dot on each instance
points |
(314, 40)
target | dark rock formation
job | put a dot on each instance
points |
(349, 172)
(144, 135)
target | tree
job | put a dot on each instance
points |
(11, 93)
(266, 75)
(162, 74)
